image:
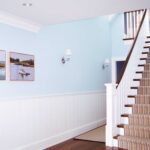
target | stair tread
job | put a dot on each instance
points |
(146, 47)
(124, 115)
(137, 126)
(145, 52)
(146, 71)
(140, 115)
(116, 136)
(141, 86)
(129, 105)
(143, 58)
(134, 87)
(131, 96)
(120, 125)
(143, 96)
(139, 71)
(136, 79)
(141, 65)
(147, 41)
(142, 104)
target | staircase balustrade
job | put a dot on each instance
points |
(118, 97)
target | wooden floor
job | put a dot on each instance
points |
(80, 145)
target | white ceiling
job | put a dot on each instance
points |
(45, 12)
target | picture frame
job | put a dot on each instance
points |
(2, 65)
(21, 67)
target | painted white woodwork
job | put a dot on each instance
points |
(35, 123)
(19, 22)
(110, 123)
(118, 97)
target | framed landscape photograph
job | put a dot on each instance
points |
(2, 65)
(21, 67)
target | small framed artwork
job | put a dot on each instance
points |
(2, 65)
(21, 67)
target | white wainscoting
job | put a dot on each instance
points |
(35, 123)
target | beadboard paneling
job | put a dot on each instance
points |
(39, 122)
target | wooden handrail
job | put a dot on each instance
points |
(132, 47)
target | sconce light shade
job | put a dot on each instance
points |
(106, 63)
(67, 56)
(68, 52)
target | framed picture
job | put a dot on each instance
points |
(21, 67)
(2, 65)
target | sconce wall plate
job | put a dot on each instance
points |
(65, 58)
(106, 63)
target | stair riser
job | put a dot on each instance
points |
(147, 67)
(125, 144)
(148, 55)
(145, 82)
(137, 132)
(142, 100)
(140, 120)
(143, 90)
(146, 75)
(148, 60)
(139, 109)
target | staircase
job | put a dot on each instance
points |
(137, 131)
(128, 102)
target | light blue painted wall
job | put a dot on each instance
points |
(13, 39)
(89, 41)
(120, 48)
(89, 47)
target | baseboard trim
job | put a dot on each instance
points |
(48, 142)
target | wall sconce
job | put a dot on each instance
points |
(67, 56)
(106, 63)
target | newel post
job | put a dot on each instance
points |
(110, 102)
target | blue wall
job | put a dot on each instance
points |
(16, 40)
(120, 48)
(89, 41)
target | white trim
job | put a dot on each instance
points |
(113, 62)
(49, 120)
(53, 95)
(39, 145)
(19, 22)
(110, 99)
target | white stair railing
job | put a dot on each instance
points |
(117, 97)
(132, 21)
